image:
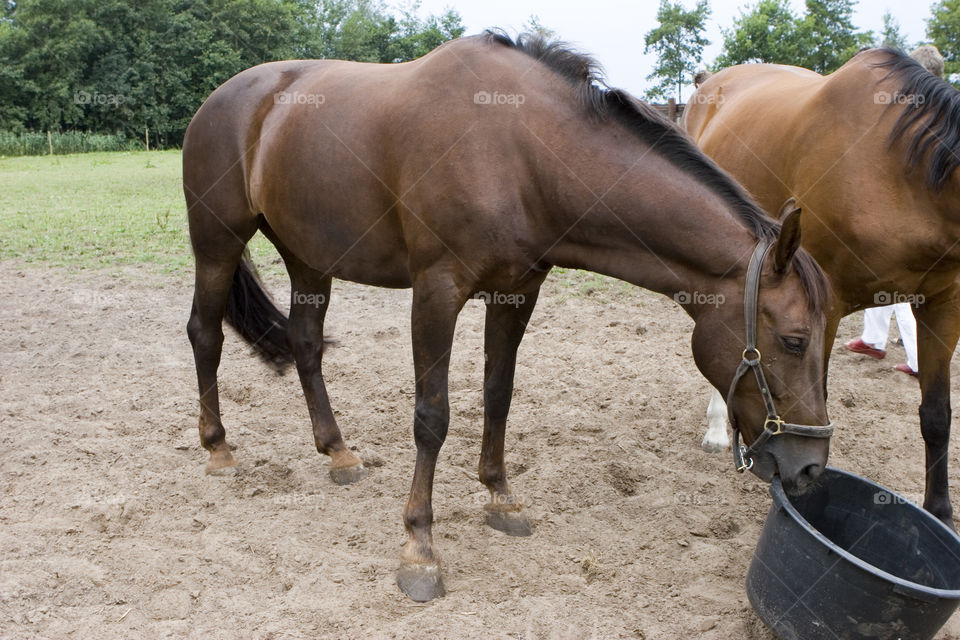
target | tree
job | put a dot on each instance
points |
(822, 39)
(415, 37)
(121, 66)
(943, 28)
(767, 33)
(368, 31)
(533, 25)
(891, 36)
(678, 42)
(828, 35)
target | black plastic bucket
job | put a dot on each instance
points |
(851, 559)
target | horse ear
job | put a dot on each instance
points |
(788, 242)
(787, 208)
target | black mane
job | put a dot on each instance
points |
(933, 105)
(584, 73)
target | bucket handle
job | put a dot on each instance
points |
(916, 594)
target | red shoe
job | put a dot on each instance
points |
(905, 368)
(859, 346)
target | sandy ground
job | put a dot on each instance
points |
(109, 527)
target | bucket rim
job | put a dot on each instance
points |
(782, 501)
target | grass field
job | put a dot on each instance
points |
(97, 210)
(105, 210)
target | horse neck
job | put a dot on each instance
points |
(654, 226)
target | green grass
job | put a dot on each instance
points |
(99, 210)
(109, 209)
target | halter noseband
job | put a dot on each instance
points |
(773, 425)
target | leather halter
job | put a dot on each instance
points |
(773, 425)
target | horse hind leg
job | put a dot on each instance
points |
(310, 296)
(214, 280)
(716, 438)
(226, 285)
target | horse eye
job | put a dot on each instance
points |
(794, 344)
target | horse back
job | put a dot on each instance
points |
(363, 169)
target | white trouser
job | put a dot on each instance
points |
(876, 329)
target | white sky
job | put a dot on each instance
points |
(613, 31)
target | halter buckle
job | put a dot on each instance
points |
(775, 421)
(751, 350)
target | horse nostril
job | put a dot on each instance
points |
(811, 472)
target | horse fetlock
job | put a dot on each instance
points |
(940, 508)
(505, 502)
(341, 456)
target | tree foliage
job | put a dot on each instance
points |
(126, 65)
(766, 33)
(943, 28)
(678, 42)
(822, 39)
(829, 35)
(534, 25)
(891, 35)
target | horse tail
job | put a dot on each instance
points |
(252, 312)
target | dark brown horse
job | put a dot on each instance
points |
(474, 170)
(870, 152)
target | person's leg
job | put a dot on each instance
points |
(876, 326)
(908, 333)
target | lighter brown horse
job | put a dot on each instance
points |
(474, 170)
(870, 152)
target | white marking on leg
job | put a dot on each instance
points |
(716, 438)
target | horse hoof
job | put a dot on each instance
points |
(512, 523)
(221, 463)
(348, 475)
(712, 446)
(421, 582)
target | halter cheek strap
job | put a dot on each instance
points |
(772, 425)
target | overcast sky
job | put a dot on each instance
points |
(613, 31)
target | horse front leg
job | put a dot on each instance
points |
(436, 303)
(938, 328)
(503, 331)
